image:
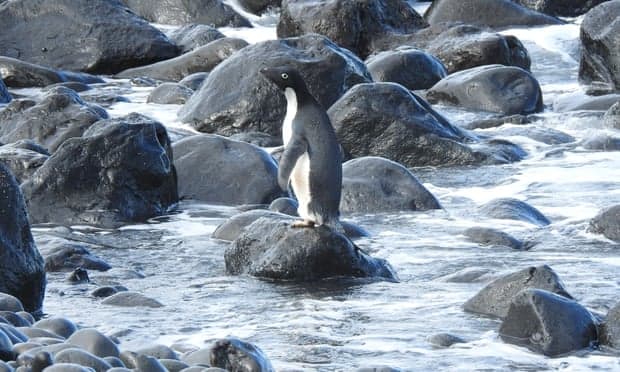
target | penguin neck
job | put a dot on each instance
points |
(291, 111)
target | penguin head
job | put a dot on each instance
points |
(284, 77)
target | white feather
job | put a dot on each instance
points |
(291, 111)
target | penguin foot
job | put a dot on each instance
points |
(303, 223)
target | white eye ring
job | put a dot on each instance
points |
(284, 75)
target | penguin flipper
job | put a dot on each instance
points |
(292, 151)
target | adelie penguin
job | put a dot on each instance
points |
(311, 160)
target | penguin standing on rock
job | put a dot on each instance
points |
(311, 160)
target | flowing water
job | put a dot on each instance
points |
(331, 326)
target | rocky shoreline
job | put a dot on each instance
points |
(65, 161)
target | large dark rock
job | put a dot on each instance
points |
(611, 119)
(22, 162)
(487, 13)
(373, 184)
(236, 98)
(80, 35)
(233, 354)
(61, 114)
(610, 331)
(607, 222)
(514, 209)
(202, 59)
(548, 323)
(560, 8)
(600, 39)
(273, 249)
(192, 36)
(20, 74)
(170, 93)
(71, 256)
(21, 266)
(119, 171)
(356, 25)
(494, 237)
(411, 68)
(494, 299)
(182, 12)
(462, 47)
(217, 170)
(387, 120)
(5, 96)
(507, 90)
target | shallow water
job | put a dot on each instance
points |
(331, 326)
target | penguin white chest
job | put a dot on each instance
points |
(291, 111)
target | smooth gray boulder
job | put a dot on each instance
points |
(94, 342)
(119, 171)
(201, 59)
(236, 98)
(20, 74)
(22, 273)
(60, 114)
(192, 36)
(600, 40)
(514, 209)
(494, 300)
(374, 185)
(218, 170)
(233, 354)
(170, 94)
(607, 222)
(601, 142)
(131, 299)
(547, 323)
(506, 90)
(272, 249)
(367, 22)
(610, 330)
(561, 8)
(83, 358)
(487, 13)
(411, 68)
(387, 120)
(182, 12)
(92, 36)
(494, 237)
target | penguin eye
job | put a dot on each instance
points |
(284, 76)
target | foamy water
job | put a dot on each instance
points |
(338, 327)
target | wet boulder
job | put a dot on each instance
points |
(71, 256)
(495, 299)
(548, 323)
(20, 74)
(5, 96)
(387, 120)
(486, 13)
(506, 90)
(600, 40)
(22, 273)
(461, 47)
(561, 8)
(237, 98)
(611, 119)
(217, 170)
(202, 59)
(195, 80)
(411, 68)
(94, 342)
(181, 12)
(119, 171)
(170, 93)
(273, 249)
(514, 209)
(22, 162)
(489, 236)
(356, 25)
(607, 222)
(232, 228)
(374, 184)
(61, 114)
(578, 101)
(83, 358)
(60, 326)
(131, 299)
(99, 37)
(233, 354)
(610, 331)
(192, 36)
